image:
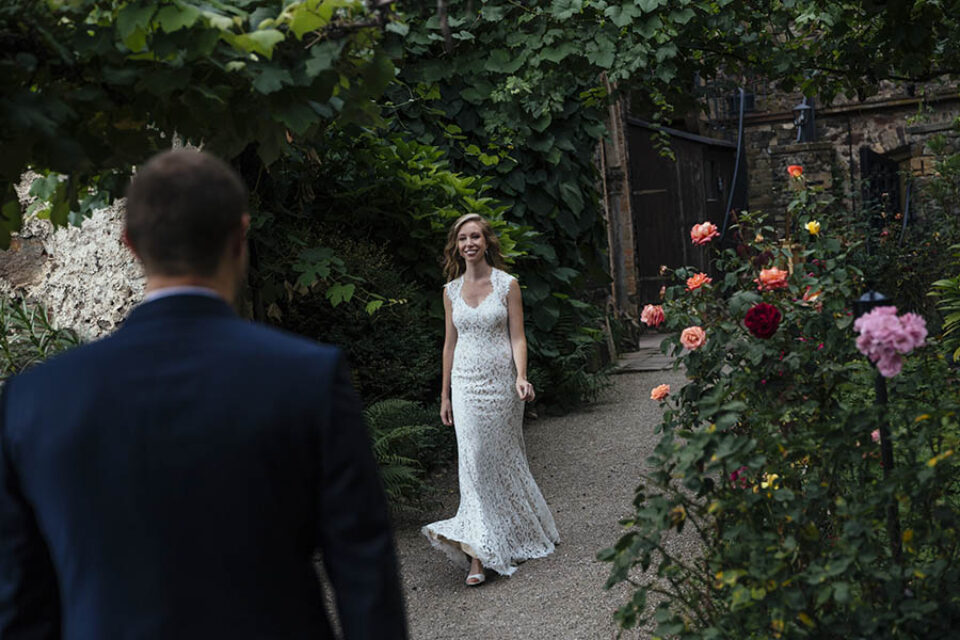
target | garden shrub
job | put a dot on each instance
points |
(947, 293)
(773, 453)
(408, 441)
(902, 258)
(28, 337)
(394, 352)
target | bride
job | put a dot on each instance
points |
(502, 519)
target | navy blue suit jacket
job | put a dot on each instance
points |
(175, 480)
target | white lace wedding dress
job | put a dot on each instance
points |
(503, 518)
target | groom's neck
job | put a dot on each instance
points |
(225, 289)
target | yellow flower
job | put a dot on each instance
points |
(813, 227)
(932, 462)
(677, 515)
(777, 625)
(770, 481)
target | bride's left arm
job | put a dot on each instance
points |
(518, 340)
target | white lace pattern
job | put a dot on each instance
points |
(503, 518)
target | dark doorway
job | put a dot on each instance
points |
(880, 185)
(669, 196)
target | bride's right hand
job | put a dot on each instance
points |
(446, 412)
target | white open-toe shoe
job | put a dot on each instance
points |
(475, 579)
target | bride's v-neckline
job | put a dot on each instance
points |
(479, 304)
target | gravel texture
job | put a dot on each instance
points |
(587, 465)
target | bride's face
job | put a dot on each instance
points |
(470, 242)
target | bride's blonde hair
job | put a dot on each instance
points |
(453, 264)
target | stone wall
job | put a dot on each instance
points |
(888, 126)
(85, 277)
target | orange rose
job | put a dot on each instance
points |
(697, 281)
(771, 279)
(659, 393)
(703, 233)
(693, 338)
(812, 296)
(795, 171)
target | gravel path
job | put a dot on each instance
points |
(586, 464)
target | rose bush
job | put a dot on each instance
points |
(768, 456)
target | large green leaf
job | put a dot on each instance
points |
(272, 78)
(323, 56)
(572, 196)
(134, 16)
(262, 41)
(175, 17)
(311, 15)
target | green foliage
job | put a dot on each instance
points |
(394, 352)
(768, 457)
(93, 88)
(367, 217)
(407, 440)
(27, 337)
(947, 293)
(518, 118)
(903, 259)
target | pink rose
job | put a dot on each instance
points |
(703, 233)
(772, 278)
(875, 435)
(652, 315)
(660, 392)
(693, 338)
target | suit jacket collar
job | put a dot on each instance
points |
(179, 306)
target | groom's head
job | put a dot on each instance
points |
(186, 216)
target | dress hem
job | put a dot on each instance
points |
(456, 551)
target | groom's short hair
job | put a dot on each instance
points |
(182, 207)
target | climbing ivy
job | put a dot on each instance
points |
(534, 137)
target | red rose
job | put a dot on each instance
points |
(763, 320)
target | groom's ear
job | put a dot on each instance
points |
(239, 241)
(125, 238)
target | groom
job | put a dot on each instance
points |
(175, 479)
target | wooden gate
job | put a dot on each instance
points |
(668, 197)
